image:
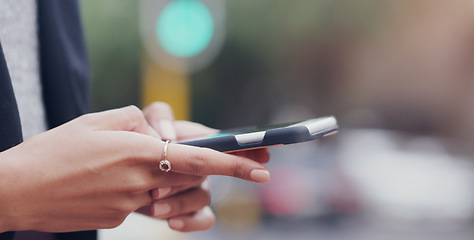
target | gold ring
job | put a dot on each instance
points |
(165, 165)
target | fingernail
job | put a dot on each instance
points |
(167, 130)
(260, 175)
(161, 209)
(163, 192)
(175, 224)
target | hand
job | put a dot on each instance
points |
(93, 171)
(185, 207)
(161, 118)
(188, 210)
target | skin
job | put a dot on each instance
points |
(187, 209)
(92, 172)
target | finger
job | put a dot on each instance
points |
(204, 161)
(141, 154)
(201, 220)
(128, 118)
(187, 131)
(160, 116)
(260, 155)
(172, 189)
(145, 210)
(156, 194)
(183, 203)
(171, 179)
(148, 152)
(162, 193)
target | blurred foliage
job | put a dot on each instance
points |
(275, 53)
(278, 54)
(111, 29)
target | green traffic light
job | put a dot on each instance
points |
(185, 28)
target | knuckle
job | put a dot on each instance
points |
(129, 206)
(133, 112)
(113, 222)
(113, 217)
(133, 117)
(138, 184)
(235, 169)
(87, 119)
(180, 206)
(124, 208)
(197, 163)
(139, 187)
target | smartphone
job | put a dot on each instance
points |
(275, 135)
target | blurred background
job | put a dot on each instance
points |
(398, 75)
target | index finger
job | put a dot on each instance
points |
(204, 161)
(260, 155)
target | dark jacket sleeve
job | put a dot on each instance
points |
(10, 128)
(63, 60)
(64, 75)
(7, 236)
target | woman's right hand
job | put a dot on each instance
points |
(92, 172)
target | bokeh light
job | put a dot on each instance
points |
(185, 28)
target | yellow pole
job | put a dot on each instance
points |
(161, 84)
